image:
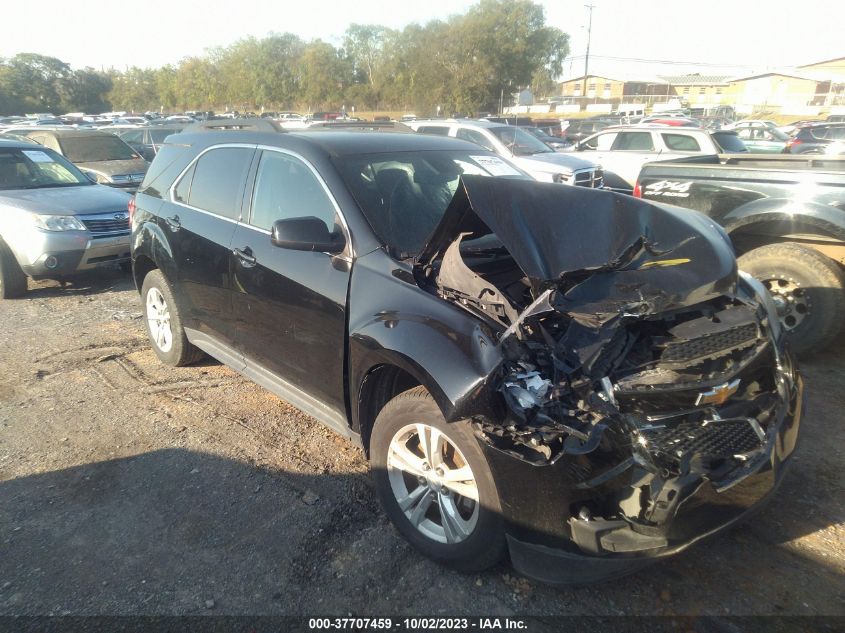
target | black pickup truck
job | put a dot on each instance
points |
(786, 218)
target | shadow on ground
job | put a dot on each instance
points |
(94, 282)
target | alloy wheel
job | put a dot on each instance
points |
(433, 483)
(158, 319)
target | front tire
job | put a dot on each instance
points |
(435, 484)
(164, 323)
(13, 282)
(808, 288)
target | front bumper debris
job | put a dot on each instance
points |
(600, 549)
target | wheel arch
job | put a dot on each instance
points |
(141, 267)
(820, 229)
(380, 385)
(151, 250)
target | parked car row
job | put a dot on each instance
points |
(54, 221)
(104, 157)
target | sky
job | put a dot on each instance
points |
(722, 36)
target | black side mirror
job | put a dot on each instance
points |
(306, 234)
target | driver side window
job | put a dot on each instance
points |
(286, 188)
(602, 142)
(475, 137)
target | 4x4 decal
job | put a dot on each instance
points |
(668, 189)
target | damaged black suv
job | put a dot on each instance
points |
(575, 377)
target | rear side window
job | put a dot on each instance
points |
(433, 129)
(132, 136)
(218, 181)
(475, 137)
(819, 132)
(633, 142)
(836, 133)
(729, 142)
(436, 130)
(183, 189)
(681, 143)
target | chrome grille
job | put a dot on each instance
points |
(107, 224)
(593, 178)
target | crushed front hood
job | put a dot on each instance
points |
(616, 253)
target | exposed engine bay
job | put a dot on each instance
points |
(640, 358)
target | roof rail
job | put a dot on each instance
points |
(244, 125)
(361, 126)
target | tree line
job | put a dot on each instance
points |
(465, 63)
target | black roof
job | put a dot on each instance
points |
(335, 143)
(346, 143)
(7, 143)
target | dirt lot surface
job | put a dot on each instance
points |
(127, 487)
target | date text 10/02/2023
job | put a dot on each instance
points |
(415, 624)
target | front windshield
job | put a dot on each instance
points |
(404, 194)
(518, 141)
(37, 168)
(95, 148)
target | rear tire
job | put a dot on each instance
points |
(427, 485)
(164, 323)
(13, 282)
(808, 287)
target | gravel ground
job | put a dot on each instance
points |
(128, 487)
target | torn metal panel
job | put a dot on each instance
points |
(630, 354)
(554, 233)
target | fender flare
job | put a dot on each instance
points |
(826, 219)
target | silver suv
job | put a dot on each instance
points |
(521, 148)
(54, 221)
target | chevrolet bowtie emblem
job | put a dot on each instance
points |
(718, 394)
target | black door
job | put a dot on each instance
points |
(290, 306)
(200, 222)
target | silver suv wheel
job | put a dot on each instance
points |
(433, 483)
(158, 319)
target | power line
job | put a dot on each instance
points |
(657, 61)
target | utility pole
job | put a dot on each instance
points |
(587, 56)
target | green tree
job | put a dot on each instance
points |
(322, 74)
(87, 90)
(36, 82)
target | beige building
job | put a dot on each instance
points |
(773, 90)
(829, 70)
(597, 87)
(700, 90)
(831, 77)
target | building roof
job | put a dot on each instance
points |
(773, 74)
(582, 77)
(696, 79)
(827, 61)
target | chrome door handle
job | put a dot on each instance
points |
(245, 256)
